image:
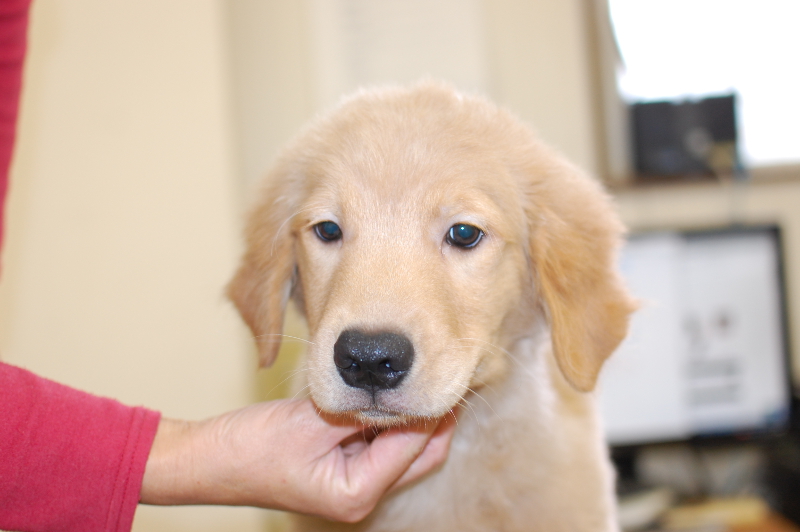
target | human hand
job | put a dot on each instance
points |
(284, 455)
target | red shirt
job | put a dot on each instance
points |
(69, 461)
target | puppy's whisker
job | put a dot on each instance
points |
(484, 385)
(281, 337)
(495, 349)
(297, 371)
(491, 345)
(511, 356)
(301, 390)
(452, 413)
(477, 393)
(449, 409)
(467, 403)
(482, 398)
(490, 351)
(290, 375)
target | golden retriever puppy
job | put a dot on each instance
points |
(443, 255)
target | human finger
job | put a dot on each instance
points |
(381, 463)
(433, 455)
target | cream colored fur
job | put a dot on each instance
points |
(515, 329)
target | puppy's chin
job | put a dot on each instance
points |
(384, 419)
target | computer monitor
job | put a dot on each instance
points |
(706, 354)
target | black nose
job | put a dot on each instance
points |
(372, 361)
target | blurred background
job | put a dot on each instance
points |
(146, 125)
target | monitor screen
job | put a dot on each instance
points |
(706, 352)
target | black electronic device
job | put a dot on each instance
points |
(685, 139)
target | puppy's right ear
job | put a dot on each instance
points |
(262, 285)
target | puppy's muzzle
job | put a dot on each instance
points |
(372, 362)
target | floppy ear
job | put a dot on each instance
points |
(574, 240)
(262, 285)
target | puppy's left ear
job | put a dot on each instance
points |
(574, 239)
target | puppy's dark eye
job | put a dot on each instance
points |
(464, 236)
(328, 231)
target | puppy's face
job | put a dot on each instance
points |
(421, 234)
(409, 268)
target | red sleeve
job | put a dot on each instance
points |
(69, 461)
(13, 28)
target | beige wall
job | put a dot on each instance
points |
(540, 69)
(270, 65)
(123, 217)
(537, 64)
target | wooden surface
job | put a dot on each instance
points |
(773, 523)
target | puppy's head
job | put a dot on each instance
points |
(422, 233)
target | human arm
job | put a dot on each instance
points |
(284, 455)
(69, 460)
